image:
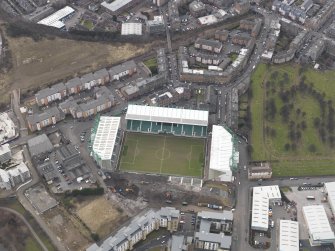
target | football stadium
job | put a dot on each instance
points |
(167, 141)
(164, 141)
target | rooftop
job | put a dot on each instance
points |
(317, 222)
(289, 235)
(55, 19)
(222, 152)
(115, 5)
(167, 115)
(105, 137)
(39, 144)
(46, 114)
(131, 29)
(330, 189)
(225, 215)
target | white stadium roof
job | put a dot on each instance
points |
(330, 189)
(115, 5)
(221, 153)
(54, 19)
(317, 222)
(289, 235)
(260, 205)
(105, 137)
(131, 29)
(167, 115)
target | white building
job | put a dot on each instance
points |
(104, 140)
(5, 153)
(330, 190)
(56, 19)
(7, 128)
(131, 29)
(223, 155)
(288, 235)
(262, 196)
(319, 229)
(14, 176)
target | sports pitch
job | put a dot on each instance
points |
(161, 154)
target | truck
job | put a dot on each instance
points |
(310, 197)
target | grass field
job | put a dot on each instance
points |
(163, 154)
(296, 159)
(39, 63)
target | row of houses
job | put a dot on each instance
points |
(86, 82)
(208, 45)
(14, 176)
(293, 12)
(142, 86)
(101, 100)
(253, 26)
(214, 231)
(139, 228)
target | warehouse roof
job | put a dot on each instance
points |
(115, 5)
(271, 192)
(39, 144)
(260, 205)
(54, 19)
(317, 222)
(330, 189)
(105, 136)
(167, 115)
(221, 153)
(225, 215)
(131, 29)
(260, 215)
(289, 235)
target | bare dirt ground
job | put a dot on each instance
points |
(156, 190)
(67, 228)
(14, 234)
(102, 216)
(37, 64)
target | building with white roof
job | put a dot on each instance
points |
(7, 128)
(223, 154)
(131, 29)
(56, 19)
(152, 119)
(319, 229)
(330, 190)
(139, 228)
(5, 153)
(262, 196)
(117, 6)
(288, 235)
(14, 176)
(104, 138)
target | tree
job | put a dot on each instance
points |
(316, 122)
(298, 111)
(312, 148)
(303, 125)
(287, 147)
(273, 133)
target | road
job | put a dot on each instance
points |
(28, 225)
(243, 203)
(26, 204)
(34, 175)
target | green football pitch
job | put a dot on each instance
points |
(161, 154)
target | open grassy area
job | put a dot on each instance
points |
(100, 215)
(152, 65)
(163, 154)
(32, 245)
(36, 64)
(293, 120)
